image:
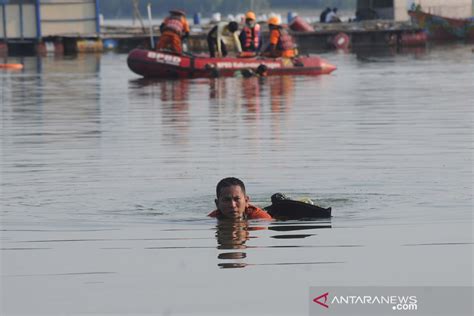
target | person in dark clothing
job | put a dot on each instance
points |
(322, 17)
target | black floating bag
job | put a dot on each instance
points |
(285, 208)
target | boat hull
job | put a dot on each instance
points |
(442, 28)
(151, 64)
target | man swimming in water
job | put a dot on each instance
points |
(232, 202)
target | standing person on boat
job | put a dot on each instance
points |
(322, 17)
(332, 17)
(250, 36)
(174, 29)
(220, 36)
(281, 43)
(233, 203)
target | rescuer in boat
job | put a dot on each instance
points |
(220, 36)
(233, 203)
(281, 43)
(250, 36)
(174, 29)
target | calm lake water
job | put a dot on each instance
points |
(106, 180)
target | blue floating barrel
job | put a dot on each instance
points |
(290, 16)
(197, 18)
(110, 44)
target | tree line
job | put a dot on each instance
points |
(124, 8)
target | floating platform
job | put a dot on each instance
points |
(326, 36)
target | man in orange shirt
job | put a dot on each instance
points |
(173, 30)
(233, 203)
(281, 43)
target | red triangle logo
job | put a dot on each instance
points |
(320, 297)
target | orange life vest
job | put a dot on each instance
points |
(251, 212)
(174, 24)
(252, 37)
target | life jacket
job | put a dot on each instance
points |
(174, 24)
(252, 37)
(251, 212)
(285, 42)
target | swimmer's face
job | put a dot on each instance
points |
(232, 201)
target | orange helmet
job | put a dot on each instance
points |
(250, 16)
(274, 20)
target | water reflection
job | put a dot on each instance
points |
(234, 234)
(175, 92)
(369, 54)
(174, 101)
(57, 99)
(417, 51)
(253, 99)
(174, 95)
(43, 81)
(281, 93)
(277, 90)
(218, 88)
(251, 95)
(293, 236)
(293, 227)
(172, 91)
